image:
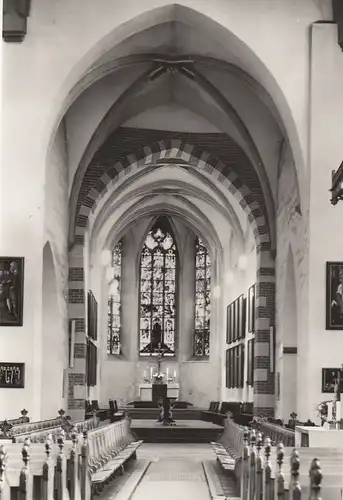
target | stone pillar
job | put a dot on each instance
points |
(77, 389)
(265, 319)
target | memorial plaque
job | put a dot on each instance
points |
(12, 375)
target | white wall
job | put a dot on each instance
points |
(326, 241)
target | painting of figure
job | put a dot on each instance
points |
(334, 295)
(330, 378)
(11, 291)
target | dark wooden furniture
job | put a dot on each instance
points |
(159, 391)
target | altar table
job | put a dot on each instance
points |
(145, 391)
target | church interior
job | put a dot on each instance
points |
(171, 268)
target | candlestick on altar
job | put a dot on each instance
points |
(338, 412)
(167, 374)
(329, 411)
(174, 374)
(150, 372)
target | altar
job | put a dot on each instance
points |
(145, 391)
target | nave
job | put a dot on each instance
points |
(64, 460)
(176, 469)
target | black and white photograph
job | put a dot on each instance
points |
(171, 269)
(11, 291)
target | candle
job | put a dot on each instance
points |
(167, 373)
(151, 372)
(329, 412)
(174, 373)
(144, 374)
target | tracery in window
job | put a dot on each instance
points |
(202, 299)
(114, 303)
(158, 269)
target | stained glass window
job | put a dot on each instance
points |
(158, 291)
(114, 303)
(202, 299)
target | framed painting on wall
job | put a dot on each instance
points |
(250, 374)
(241, 375)
(227, 366)
(11, 291)
(237, 319)
(251, 309)
(92, 316)
(232, 366)
(232, 321)
(329, 380)
(228, 324)
(334, 295)
(12, 375)
(242, 316)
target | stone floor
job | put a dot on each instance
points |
(175, 468)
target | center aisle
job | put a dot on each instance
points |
(176, 477)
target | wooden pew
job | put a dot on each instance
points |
(66, 470)
(110, 447)
(229, 447)
(276, 433)
(41, 435)
(260, 478)
(8, 424)
(26, 427)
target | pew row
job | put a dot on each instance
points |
(7, 424)
(263, 474)
(53, 433)
(67, 470)
(16, 427)
(276, 433)
(229, 447)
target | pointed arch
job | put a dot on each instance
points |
(158, 290)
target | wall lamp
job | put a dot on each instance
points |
(337, 185)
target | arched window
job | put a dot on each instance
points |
(158, 269)
(202, 299)
(114, 303)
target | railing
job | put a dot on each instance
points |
(54, 432)
(258, 480)
(60, 470)
(16, 427)
(7, 425)
(276, 433)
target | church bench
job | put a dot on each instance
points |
(7, 424)
(228, 448)
(16, 429)
(276, 433)
(67, 470)
(110, 447)
(40, 436)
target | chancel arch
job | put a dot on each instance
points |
(158, 154)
